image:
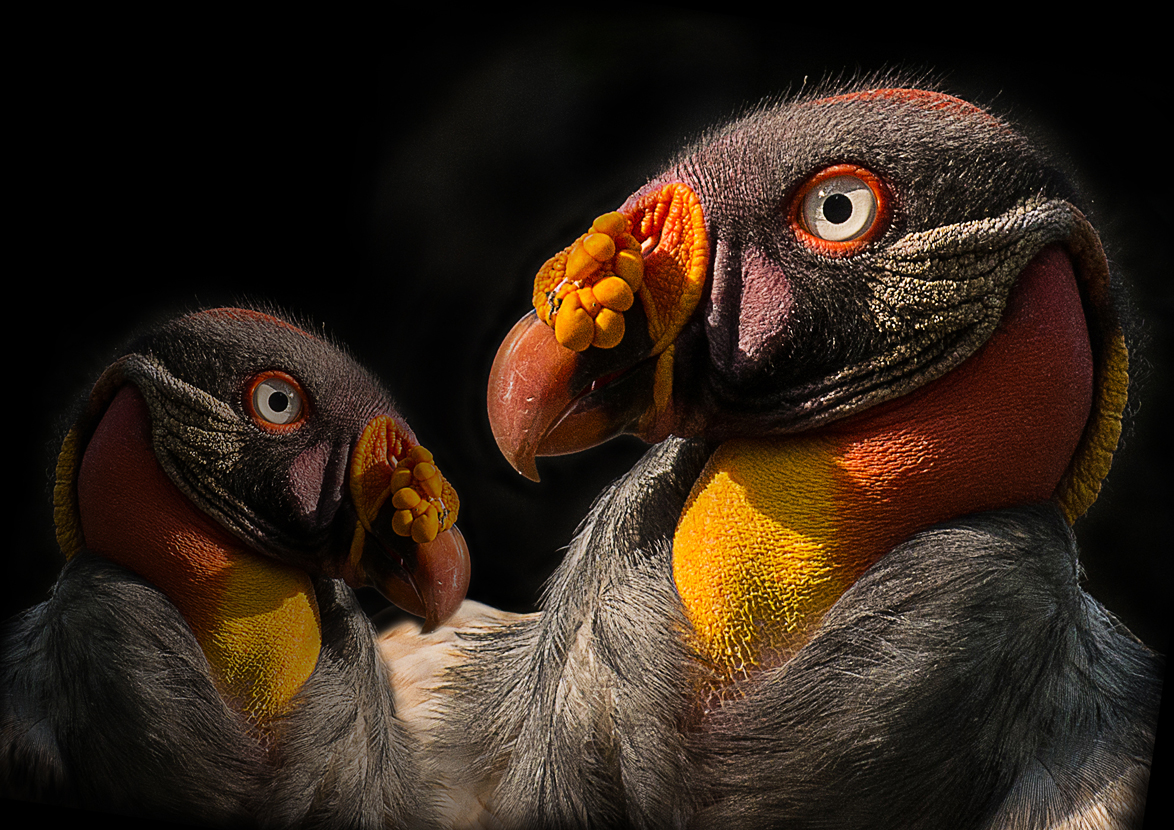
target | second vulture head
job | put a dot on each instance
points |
(234, 433)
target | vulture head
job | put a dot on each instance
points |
(882, 309)
(231, 459)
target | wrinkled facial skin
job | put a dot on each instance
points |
(795, 330)
(751, 353)
(284, 489)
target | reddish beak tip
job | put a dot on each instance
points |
(528, 390)
(526, 466)
(427, 579)
(545, 399)
(443, 577)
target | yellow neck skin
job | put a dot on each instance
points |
(255, 618)
(758, 555)
(264, 638)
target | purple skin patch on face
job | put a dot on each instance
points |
(307, 474)
(762, 307)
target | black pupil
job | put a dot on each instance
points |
(837, 208)
(278, 401)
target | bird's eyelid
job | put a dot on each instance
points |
(276, 401)
(873, 223)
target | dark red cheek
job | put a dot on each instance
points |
(999, 430)
(133, 514)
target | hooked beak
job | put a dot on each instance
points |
(406, 544)
(426, 579)
(590, 363)
(545, 399)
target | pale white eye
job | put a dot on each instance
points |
(277, 401)
(839, 209)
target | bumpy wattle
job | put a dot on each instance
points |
(777, 528)
(255, 618)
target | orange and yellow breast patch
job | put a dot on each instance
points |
(777, 528)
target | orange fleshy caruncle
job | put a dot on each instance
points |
(389, 464)
(583, 291)
(655, 247)
(406, 543)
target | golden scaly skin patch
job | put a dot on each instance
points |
(65, 512)
(1082, 481)
(265, 639)
(759, 553)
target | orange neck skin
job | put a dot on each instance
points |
(256, 619)
(777, 529)
(998, 431)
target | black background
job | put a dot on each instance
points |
(399, 181)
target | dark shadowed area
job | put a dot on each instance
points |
(400, 190)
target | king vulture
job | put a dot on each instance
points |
(202, 656)
(870, 335)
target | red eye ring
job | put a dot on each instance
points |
(866, 183)
(276, 401)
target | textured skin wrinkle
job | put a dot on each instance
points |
(196, 437)
(932, 300)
